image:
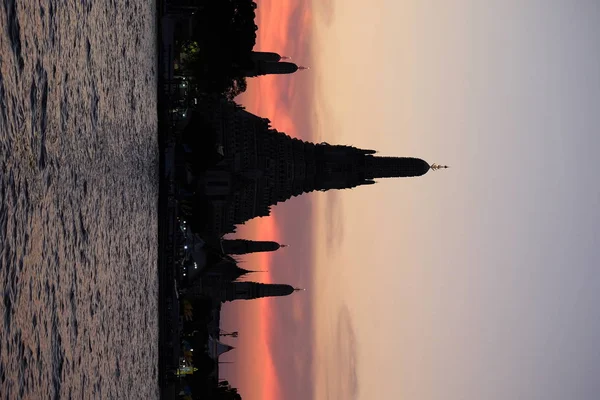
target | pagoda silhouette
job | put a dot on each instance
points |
(257, 167)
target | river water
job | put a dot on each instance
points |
(78, 199)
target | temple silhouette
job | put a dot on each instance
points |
(231, 291)
(269, 63)
(257, 167)
(248, 168)
(244, 246)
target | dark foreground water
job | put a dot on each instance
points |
(78, 199)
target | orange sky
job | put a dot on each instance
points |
(254, 322)
(262, 366)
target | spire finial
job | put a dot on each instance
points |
(283, 245)
(435, 167)
(301, 67)
(298, 289)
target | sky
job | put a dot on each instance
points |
(476, 282)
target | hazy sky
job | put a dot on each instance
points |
(477, 282)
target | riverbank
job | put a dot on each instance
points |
(166, 213)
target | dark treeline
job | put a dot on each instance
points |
(202, 384)
(225, 33)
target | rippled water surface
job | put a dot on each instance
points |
(78, 199)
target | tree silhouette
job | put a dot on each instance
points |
(226, 392)
(225, 34)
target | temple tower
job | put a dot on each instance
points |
(243, 246)
(267, 56)
(261, 167)
(268, 63)
(254, 290)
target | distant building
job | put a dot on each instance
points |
(242, 246)
(254, 290)
(223, 291)
(267, 56)
(221, 273)
(261, 167)
(268, 63)
(216, 348)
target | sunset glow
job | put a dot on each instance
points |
(259, 377)
(283, 28)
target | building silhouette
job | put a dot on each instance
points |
(267, 56)
(259, 167)
(243, 246)
(253, 290)
(269, 63)
(224, 290)
(225, 271)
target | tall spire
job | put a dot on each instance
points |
(268, 56)
(243, 246)
(264, 67)
(254, 290)
(395, 167)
